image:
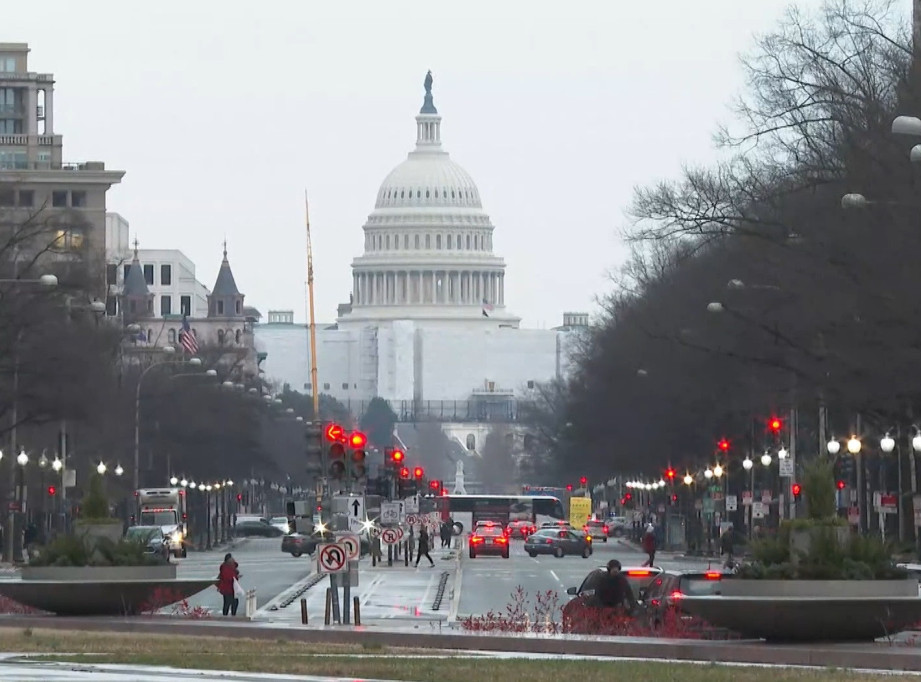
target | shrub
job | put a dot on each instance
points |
(70, 550)
(819, 489)
(95, 506)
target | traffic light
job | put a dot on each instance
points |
(313, 447)
(670, 475)
(796, 489)
(397, 456)
(674, 499)
(723, 445)
(51, 491)
(583, 481)
(336, 456)
(775, 425)
(239, 497)
(436, 488)
(334, 433)
(841, 485)
(404, 473)
(358, 441)
(569, 487)
(418, 473)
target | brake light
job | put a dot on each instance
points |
(654, 602)
(476, 539)
(605, 530)
(676, 595)
(639, 574)
(713, 575)
(501, 540)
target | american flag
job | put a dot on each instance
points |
(186, 338)
(487, 306)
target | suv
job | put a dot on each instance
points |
(597, 529)
(489, 539)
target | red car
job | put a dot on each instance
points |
(519, 529)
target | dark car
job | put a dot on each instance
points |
(489, 539)
(297, 544)
(559, 542)
(519, 529)
(155, 542)
(576, 610)
(668, 589)
(597, 529)
(256, 527)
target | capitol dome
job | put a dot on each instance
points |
(428, 242)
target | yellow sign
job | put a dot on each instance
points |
(580, 511)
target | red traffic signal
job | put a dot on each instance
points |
(358, 439)
(674, 498)
(51, 490)
(569, 487)
(397, 456)
(628, 497)
(775, 424)
(435, 485)
(334, 433)
(583, 481)
(239, 497)
(404, 473)
(723, 445)
(418, 472)
(670, 474)
(841, 485)
(797, 489)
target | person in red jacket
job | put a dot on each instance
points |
(228, 572)
(649, 544)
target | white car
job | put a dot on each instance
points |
(281, 523)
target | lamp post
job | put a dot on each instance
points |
(193, 362)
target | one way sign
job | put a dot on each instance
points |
(356, 507)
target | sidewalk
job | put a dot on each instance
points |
(397, 594)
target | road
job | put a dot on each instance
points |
(262, 566)
(487, 583)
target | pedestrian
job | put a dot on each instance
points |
(423, 546)
(614, 591)
(445, 534)
(227, 575)
(649, 544)
(726, 546)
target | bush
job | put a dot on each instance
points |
(95, 506)
(70, 550)
(819, 489)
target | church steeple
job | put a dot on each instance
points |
(225, 299)
(137, 301)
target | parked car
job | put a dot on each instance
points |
(297, 544)
(576, 612)
(155, 542)
(256, 527)
(559, 542)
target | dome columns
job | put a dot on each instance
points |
(427, 287)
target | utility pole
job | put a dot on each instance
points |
(315, 389)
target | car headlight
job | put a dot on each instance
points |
(177, 536)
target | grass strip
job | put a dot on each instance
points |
(283, 657)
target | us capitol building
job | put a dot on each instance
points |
(426, 327)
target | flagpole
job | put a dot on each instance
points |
(313, 324)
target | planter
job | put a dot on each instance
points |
(94, 531)
(801, 539)
(99, 574)
(827, 589)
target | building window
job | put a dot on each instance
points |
(26, 198)
(468, 242)
(220, 337)
(78, 199)
(59, 199)
(416, 241)
(166, 275)
(530, 383)
(345, 385)
(171, 336)
(148, 274)
(68, 240)
(7, 197)
(387, 242)
(238, 336)
(308, 387)
(405, 241)
(437, 241)
(185, 305)
(239, 307)
(220, 307)
(166, 305)
(9, 64)
(125, 270)
(449, 243)
(111, 274)
(471, 442)
(325, 387)
(428, 241)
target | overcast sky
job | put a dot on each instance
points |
(222, 112)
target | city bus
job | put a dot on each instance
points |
(466, 510)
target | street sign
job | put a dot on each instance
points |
(412, 519)
(747, 498)
(758, 510)
(732, 503)
(332, 558)
(356, 525)
(391, 536)
(411, 505)
(356, 507)
(786, 467)
(390, 512)
(351, 544)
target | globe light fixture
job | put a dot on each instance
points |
(119, 470)
(887, 443)
(747, 463)
(184, 483)
(853, 445)
(916, 442)
(708, 473)
(101, 468)
(195, 362)
(173, 480)
(193, 485)
(228, 483)
(782, 453)
(718, 471)
(57, 464)
(833, 447)
(688, 479)
(43, 460)
(22, 458)
(766, 459)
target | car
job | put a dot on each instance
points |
(155, 542)
(556, 524)
(297, 544)
(584, 597)
(559, 541)
(669, 587)
(597, 529)
(255, 527)
(281, 523)
(618, 526)
(489, 539)
(519, 528)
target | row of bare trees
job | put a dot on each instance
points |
(750, 290)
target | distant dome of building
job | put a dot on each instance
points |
(428, 178)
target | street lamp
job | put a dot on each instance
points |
(782, 453)
(22, 458)
(887, 443)
(688, 479)
(708, 473)
(101, 468)
(57, 465)
(916, 441)
(766, 459)
(718, 471)
(227, 384)
(715, 307)
(211, 373)
(119, 470)
(854, 201)
(173, 480)
(184, 483)
(747, 463)
(853, 445)
(833, 447)
(43, 460)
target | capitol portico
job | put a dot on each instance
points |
(426, 320)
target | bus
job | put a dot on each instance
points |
(467, 510)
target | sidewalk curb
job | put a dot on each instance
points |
(272, 605)
(456, 589)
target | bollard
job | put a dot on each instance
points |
(357, 610)
(303, 612)
(390, 555)
(406, 554)
(329, 606)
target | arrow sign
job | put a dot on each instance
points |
(356, 507)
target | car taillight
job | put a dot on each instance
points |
(548, 541)
(713, 575)
(476, 539)
(639, 574)
(605, 530)
(676, 595)
(654, 602)
(502, 540)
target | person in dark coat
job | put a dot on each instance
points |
(229, 571)
(424, 546)
(649, 544)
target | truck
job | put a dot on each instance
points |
(166, 508)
